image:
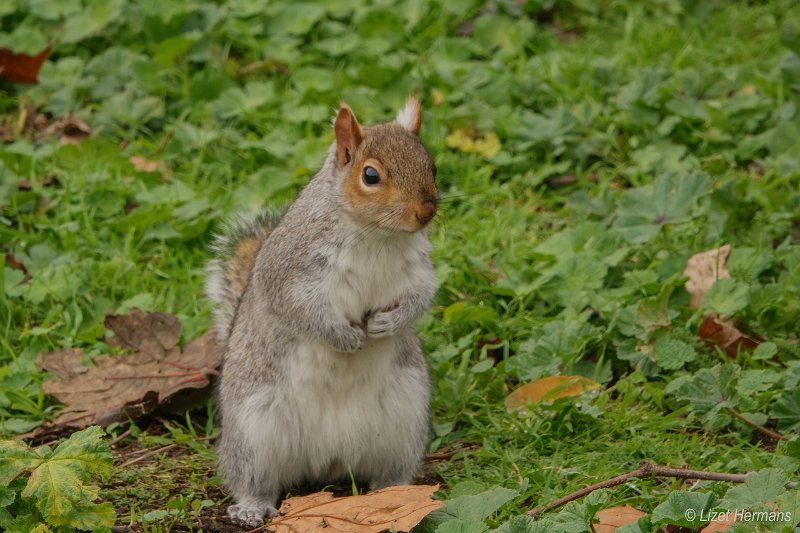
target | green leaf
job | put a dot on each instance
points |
(580, 272)
(503, 34)
(644, 211)
(755, 380)
(573, 518)
(643, 525)
(15, 458)
(790, 38)
(59, 486)
(479, 506)
(556, 343)
(95, 15)
(8, 7)
(747, 263)
(462, 526)
(789, 503)
(786, 410)
(467, 312)
(525, 524)
(708, 391)
(672, 354)
(759, 487)
(765, 350)
(24, 523)
(653, 313)
(8, 493)
(727, 296)
(24, 39)
(295, 18)
(683, 508)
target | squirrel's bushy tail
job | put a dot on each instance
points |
(236, 249)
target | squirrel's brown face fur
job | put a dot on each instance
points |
(390, 176)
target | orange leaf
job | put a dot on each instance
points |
(549, 389)
(703, 270)
(615, 517)
(393, 508)
(21, 68)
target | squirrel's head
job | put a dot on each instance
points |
(389, 176)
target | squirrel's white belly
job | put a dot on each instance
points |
(340, 413)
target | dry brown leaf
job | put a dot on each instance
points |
(724, 333)
(703, 270)
(150, 333)
(549, 389)
(116, 387)
(21, 68)
(615, 517)
(393, 508)
(147, 165)
(720, 523)
(71, 130)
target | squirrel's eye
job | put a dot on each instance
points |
(371, 176)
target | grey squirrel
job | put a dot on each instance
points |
(323, 375)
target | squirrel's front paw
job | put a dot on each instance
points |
(349, 339)
(384, 323)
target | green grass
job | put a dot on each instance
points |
(695, 100)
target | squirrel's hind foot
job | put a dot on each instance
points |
(252, 514)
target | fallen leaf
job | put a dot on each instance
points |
(21, 68)
(609, 520)
(114, 388)
(703, 269)
(488, 145)
(74, 130)
(548, 389)
(720, 523)
(151, 333)
(71, 130)
(465, 140)
(146, 165)
(724, 333)
(397, 508)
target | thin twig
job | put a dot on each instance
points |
(148, 454)
(444, 456)
(441, 456)
(120, 437)
(766, 431)
(646, 470)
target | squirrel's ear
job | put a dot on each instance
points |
(410, 117)
(348, 134)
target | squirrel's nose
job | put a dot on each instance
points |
(425, 211)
